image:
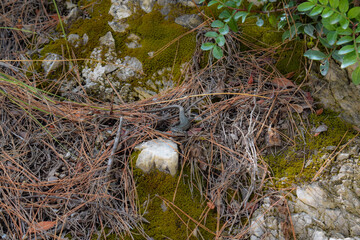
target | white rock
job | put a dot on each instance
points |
(319, 235)
(161, 153)
(119, 11)
(108, 40)
(342, 156)
(147, 5)
(51, 63)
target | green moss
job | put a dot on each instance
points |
(287, 55)
(156, 32)
(291, 165)
(167, 224)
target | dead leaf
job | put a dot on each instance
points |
(298, 108)
(42, 226)
(251, 80)
(282, 83)
(290, 75)
(308, 97)
(273, 137)
(319, 111)
(210, 204)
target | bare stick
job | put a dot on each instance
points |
(117, 139)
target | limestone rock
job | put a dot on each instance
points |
(189, 20)
(160, 153)
(336, 92)
(51, 62)
(147, 5)
(328, 208)
(73, 39)
(108, 40)
(120, 11)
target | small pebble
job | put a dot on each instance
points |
(342, 156)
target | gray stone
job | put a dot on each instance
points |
(342, 156)
(118, 27)
(337, 92)
(51, 63)
(147, 5)
(107, 40)
(119, 10)
(73, 38)
(189, 20)
(72, 16)
(85, 39)
(319, 235)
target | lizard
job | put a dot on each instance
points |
(184, 122)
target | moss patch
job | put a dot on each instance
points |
(156, 32)
(291, 165)
(171, 223)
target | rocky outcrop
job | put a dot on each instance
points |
(337, 92)
(326, 209)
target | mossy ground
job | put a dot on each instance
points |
(171, 223)
(154, 30)
(290, 165)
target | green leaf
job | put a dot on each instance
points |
(344, 40)
(324, 67)
(238, 3)
(354, 12)
(323, 2)
(220, 40)
(224, 14)
(357, 40)
(217, 24)
(335, 18)
(306, 6)
(220, 6)
(285, 35)
(327, 25)
(207, 46)
(217, 52)
(344, 23)
(233, 25)
(349, 59)
(230, 4)
(342, 31)
(224, 30)
(241, 14)
(344, 5)
(260, 22)
(335, 54)
(357, 30)
(316, 11)
(334, 3)
(212, 3)
(211, 34)
(327, 12)
(347, 49)
(201, 1)
(355, 76)
(314, 55)
(324, 42)
(250, 6)
(309, 30)
(331, 37)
